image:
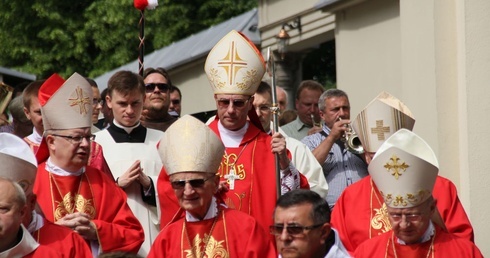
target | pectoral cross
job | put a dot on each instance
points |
(231, 177)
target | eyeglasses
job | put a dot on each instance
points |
(175, 101)
(291, 229)
(195, 183)
(408, 217)
(224, 103)
(264, 108)
(96, 101)
(161, 86)
(76, 139)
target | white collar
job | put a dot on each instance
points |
(429, 232)
(35, 137)
(50, 167)
(232, 139)
(125, 128)
(37, 222)
(212, 212)
(26, 246)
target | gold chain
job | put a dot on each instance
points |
(431, 247)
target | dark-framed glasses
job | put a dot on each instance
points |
(96, 101)
(291, 229)
(150, 87)
(76, 139)
(396, 217)
(195, 183)
(224, 103)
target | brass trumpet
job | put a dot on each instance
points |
(351, 141)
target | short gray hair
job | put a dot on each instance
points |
(20, 196)
(330, 94)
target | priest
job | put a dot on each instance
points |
(360, 213)
(405, 170)
(18, 164)
(70, 193)
(191, 154)
(235, 68)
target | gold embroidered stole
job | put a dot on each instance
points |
(204, 244)
(379, 222)
(71, 194)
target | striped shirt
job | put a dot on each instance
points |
(341, 168)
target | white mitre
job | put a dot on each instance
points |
(189, 145)
(404, 169)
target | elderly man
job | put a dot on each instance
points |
(308, 120)
(405, 170)
(302, 227)
(301, 155)
(340, 166)
(248, 165)
(15, 240)
(17, 163)
(70, 193)
(157, 100)
(191, 154)
(359, 213)
(131, 150)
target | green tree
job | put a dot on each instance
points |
(94, 36)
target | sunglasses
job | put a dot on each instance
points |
(175, 101)
(150, 87)
(292, 229)
(224, 103)
(408, 217)
(195, 183)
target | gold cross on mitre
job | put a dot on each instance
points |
(232, 63)
(395, 166)
(380, 130)
(80, 101)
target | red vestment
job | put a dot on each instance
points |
(96, 195)
(442, 245)
(255, 191)
(234, 234)
(43, 252)
(360, 213)
(63, 240)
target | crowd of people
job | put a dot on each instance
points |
(144, 181)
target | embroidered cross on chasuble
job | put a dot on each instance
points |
(71, 194)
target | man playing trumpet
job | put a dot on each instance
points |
(340, 166)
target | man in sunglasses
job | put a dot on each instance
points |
(157, 87)
(248, 168)
(191, 154)
(71, 193)
(302, 227)
(131, 150)
(405, 170)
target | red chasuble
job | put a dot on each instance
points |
(255, 190)
(96, 195)
(360, 213)
(230, 234)
(43, 252)
(63, 240)
(442, 245)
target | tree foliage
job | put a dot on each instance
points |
(93, 36)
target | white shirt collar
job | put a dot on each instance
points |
(61, 172)
(35, 137)
(212, 212)
(232, 139)
(26, 246)
(429, 232)
(37, 222)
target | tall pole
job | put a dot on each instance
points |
(271, 70)
(141, 56)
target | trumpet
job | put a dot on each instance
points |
(351, 141)
(314, 123)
